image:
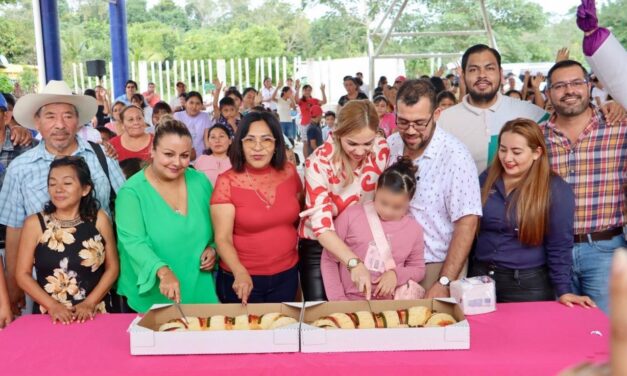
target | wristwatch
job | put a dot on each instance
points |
(444, 281)
(352, 263)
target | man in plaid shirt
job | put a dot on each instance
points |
(591, 156)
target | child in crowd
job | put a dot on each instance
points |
(72, 247)
(115, 125)
(216, 159)
(229, 116)
(161, 108)
(314, 132)
(131, 166)
(387, 120)
(445, 100)
(196, 120)
(402, 262)
(329, 124)
(106, 134)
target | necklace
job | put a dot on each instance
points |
(268, 204)
(65, 223)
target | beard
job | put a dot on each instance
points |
(570, 110)
(482, 97)
(424, 141)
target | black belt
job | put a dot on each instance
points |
(601, 235)
(493, 268)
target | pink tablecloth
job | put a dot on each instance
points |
(518, 339)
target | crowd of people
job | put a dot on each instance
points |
(114, 207)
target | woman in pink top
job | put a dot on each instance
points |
(215, 160)
(340, 173)
(387, 120)
(395, 189)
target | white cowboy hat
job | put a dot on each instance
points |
(54, 92)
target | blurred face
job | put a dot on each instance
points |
(569, 91)
(171, 156)
(238, 102)
(219, 141)
(358, 145)
(515, 154)
(151, 88)
(258, 145)
(290, 82)
(58, 124)
(104, 136)
(512, 82)
(267, 84)
(65, 189)
(482, 77)
(100, 92)
(416, 124)
(288, 94)
(193, 106)
(249, 99)
(381, 107)
(391, 206)
(229, 112)
(514, 94)
(180, 89)
(136, 103)
(307, 92)
(134, 124)
(130, 90)
(330, 121)
(156, 116)
(446, 103)
(116, 112)
(350, 86)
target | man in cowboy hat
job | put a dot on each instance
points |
(57, 115)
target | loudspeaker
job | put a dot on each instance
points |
(96, 68)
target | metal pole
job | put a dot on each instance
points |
(51, 39)
(119, 45)
(39, 45)
(488, 26)
(387, 35)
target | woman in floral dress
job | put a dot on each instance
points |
(72, 247)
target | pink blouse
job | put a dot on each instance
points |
(212, 166)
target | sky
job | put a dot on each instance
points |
(557, 8)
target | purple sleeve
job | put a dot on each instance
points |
(587, 21)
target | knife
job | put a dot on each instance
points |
(183, 317)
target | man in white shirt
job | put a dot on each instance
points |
(447, 202)
(266, 94)
(480, 115)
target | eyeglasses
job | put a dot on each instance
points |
(576, 84)
(266, 142)
(404, 124)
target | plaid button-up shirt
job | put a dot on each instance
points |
(596, 168)
(9, 152)
(25, 188)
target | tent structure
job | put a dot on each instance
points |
(390, 19)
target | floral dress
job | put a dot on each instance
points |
(69, 260)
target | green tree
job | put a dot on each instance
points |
(613, 16)
(5, 84)
(151, 41)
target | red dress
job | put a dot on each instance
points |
(264, 230)
(123, 153)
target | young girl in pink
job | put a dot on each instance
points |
(387, 120)
(391, 270)
(215, 160)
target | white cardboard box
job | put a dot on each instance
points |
(146, 340)
(452, 337)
